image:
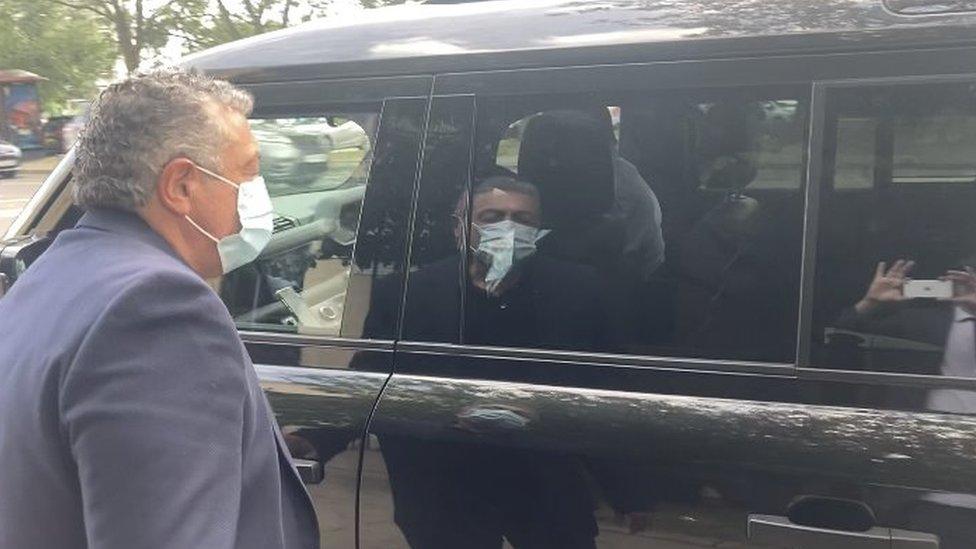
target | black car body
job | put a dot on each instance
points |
(733, 397)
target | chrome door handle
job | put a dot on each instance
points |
(310, 470)
(780, 531)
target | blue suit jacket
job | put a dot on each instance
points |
(130, 414)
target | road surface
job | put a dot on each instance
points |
(15, 192)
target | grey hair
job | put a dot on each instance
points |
(139, 124)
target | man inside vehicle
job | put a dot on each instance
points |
(515, 297)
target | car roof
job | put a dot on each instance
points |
(507, 34)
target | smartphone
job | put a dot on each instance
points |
(928, 289)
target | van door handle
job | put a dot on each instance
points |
(309, 470)
(780, 531)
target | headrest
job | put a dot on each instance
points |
(729, 143)
(567, 154)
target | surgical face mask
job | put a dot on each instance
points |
(502, 245)
(256, 214)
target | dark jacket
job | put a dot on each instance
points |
(563, 306)
(920, 322)
(130, 414)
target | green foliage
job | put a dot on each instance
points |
(75, 43)
(69, 49)
(221, 24)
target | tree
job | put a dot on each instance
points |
(68, 49)
(221, 24)
(139, 30)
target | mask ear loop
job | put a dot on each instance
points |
(219, 177)
(201, 229)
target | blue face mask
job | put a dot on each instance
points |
(256, 214)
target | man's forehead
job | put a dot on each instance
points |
(498, 196)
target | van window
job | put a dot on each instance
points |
(897, 231)
(661, 224)
(315, 168)
(777, 148)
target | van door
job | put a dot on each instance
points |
(893, 284)
(599, 338)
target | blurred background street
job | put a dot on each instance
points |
(16, 191)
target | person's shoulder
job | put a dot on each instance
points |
(167, 285)
(560, 271)
(164, 311)
(624, 168)
(111, 258)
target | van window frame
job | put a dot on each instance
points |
(299, 97)
(805, 369)
(607, 79)
(817, 73)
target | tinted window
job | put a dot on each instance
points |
(652, 224)
(434, 300)
(897, 231)
(315, 168)
(376, 282)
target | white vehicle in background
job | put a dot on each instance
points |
(10, 156)
(337, 133)
(296, 153)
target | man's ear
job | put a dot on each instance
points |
(175, 186)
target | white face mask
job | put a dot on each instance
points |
(504, 244)
(256, 214)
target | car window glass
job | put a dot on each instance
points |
(660, 224)
(854, 165)
(892, 288)
(316, 169)
(933, 149)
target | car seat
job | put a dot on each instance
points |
(730, 288)
(567, 155)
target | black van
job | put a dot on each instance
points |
(617, 274)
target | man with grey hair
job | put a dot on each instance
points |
(130, 414)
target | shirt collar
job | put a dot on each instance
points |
(962, 315)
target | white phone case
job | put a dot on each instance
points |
(931, 289)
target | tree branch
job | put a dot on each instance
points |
(159, 10)
(127, 46)
(140, 26)
(254, 15)
(225, 16)
(284, 17)
(104, 13)
(192, 40)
